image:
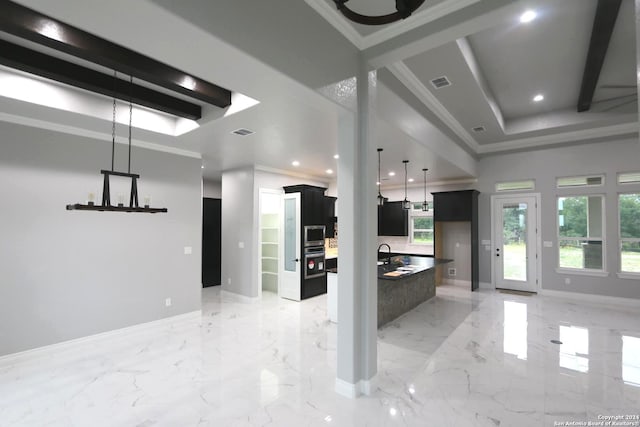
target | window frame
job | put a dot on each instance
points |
(583, 271)
(621, 273)
(419, 213)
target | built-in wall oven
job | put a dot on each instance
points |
(314, 264)
(314, 235)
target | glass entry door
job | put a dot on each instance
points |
(290, 263)
(515, 243)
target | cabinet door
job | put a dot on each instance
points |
(329, 215)
(453, 206)
(393, 220)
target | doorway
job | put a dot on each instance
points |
(515, 225)
(269, 244)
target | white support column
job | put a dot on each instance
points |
(357, 224)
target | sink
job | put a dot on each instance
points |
(388, 267)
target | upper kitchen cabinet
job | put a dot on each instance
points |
(455, 205)
(312, 203)
(393, 220)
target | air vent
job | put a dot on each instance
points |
(243, 132)
(440, 82)
(479, 129)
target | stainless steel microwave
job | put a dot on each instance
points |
(314, 235)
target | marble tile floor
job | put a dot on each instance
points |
(460, 359)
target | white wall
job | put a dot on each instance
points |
(544, 166)
(212, 189)
(67, 274)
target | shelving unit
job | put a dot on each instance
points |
(269, 249)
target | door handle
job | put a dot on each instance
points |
(296, 260)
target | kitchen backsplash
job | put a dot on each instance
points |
(403, 244)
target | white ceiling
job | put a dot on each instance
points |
(495, 64)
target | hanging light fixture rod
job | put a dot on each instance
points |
(425, 204)
(406, 204)
(404, 9)
(380, 196)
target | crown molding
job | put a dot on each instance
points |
(268, 169)
(559, 138)
(416, 20)
(411, 82)
(430, 184)
(72, 130)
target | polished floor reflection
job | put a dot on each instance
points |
(460, 359)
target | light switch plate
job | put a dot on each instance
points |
(547, 244)
(486, 242)
(188, 250)
(241, 245)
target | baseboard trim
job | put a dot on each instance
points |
(65, 345)
(238, 297)
(486, 285)
(346, 389)
(351, 391)
(457, 282)
(592, 298)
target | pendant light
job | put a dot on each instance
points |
(406, 204)
(106, 192)
(425, 205)
(380, 197)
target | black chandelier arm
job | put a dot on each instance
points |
(404, 9)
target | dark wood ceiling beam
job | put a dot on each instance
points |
(28, 24)
(37, 63)
(603, 25)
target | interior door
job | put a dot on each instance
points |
(516, 244)
(211, 242)
(290, 261)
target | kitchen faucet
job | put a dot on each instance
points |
(389, 256)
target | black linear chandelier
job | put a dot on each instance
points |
(106, 192)
(404, 9)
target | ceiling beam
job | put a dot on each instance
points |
(603, 25)
(28, 24)
(37, 63)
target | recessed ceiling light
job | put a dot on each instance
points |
(202, 167)
(528, 16)
(410, 180)
(295, 163)
(377, 182)
(329, 171)
(539, 97)
(392, 174)
(336, 156)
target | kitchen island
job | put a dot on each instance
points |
(405, 282)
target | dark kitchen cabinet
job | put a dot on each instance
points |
(330, 216)
(312, 203)
(462, 206)
(393, 220)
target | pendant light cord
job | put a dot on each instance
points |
(130, 119)
(113, 124)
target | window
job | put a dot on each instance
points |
(528, 184)
(629, 178)
(581, 232)
(580, 181)
(421, 225)
(629, 220)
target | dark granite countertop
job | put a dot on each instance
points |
(408, 266)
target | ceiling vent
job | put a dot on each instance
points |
(243, 132)
(440, 82)
(479, 129)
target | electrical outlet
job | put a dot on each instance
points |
(452, 272)
(188, 250)
(229, 281)
(167, 302)
(241, 245)
(567, 281)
